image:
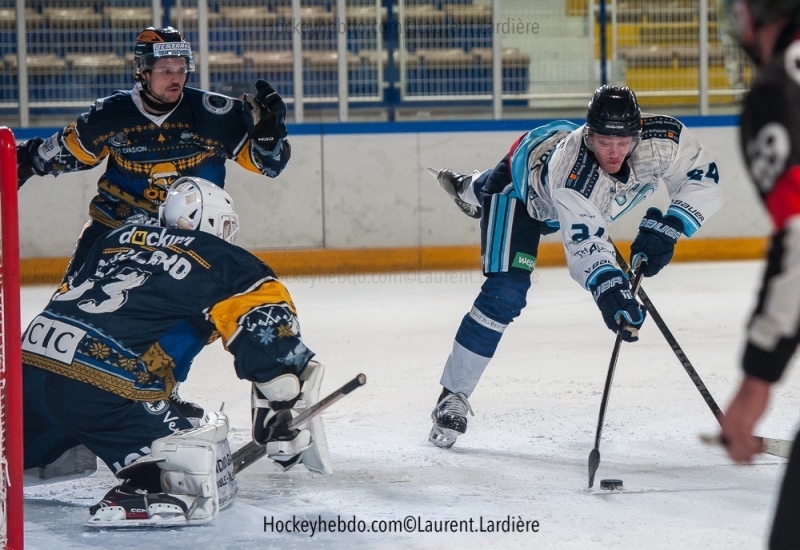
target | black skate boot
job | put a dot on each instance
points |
(125, 506)
(191, 411)
(454, 183)
(449, 419)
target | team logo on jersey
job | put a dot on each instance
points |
(217, 104)
(120, 139)
(156, 407)
(161, 177)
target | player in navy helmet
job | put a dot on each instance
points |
(769, 31)
(576, 180)
(162, 61)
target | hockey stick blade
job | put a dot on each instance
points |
(776, 447)
(253, 451)
(594, 464)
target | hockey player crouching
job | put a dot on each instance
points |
(576, 179)
(101, 359)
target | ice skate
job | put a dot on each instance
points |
(454, 183)
(125, 506)
(449, 419)
(191, 411)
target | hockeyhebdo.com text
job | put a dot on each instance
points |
(411, 27)
(403, 277)
(408, 524)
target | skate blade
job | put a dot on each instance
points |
(178, 520)
(443, 438)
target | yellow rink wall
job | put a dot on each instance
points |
(382, 260)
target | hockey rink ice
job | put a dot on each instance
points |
(524, 456)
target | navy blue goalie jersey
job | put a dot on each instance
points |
(148, 299)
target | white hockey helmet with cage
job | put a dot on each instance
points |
(197, 204)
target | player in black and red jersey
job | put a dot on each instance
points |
(769, 31)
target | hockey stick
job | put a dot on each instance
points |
(594, 456)
(253, 451)
(775, 447)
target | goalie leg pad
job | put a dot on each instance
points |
(316, 458)
(74, 463)
(197, 464)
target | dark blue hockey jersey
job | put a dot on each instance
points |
(149, 298)
(146, 152)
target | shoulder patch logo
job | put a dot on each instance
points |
(217, 104)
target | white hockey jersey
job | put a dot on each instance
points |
(562, 184)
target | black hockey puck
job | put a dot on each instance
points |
(611, 484)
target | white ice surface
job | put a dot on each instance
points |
(525, 453)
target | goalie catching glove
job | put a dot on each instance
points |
(275, 404)
(265, 115)
(612, 293)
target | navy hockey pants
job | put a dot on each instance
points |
(60, 413)
(509, 246)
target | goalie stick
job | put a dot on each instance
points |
(252, 451)
(774, 447)
(594, 455)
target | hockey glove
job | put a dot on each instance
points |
(27, 159)
(612, 294)
(656, 240)
(265, 115)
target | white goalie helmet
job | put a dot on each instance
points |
(198, 204)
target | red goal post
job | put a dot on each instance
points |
(11, 461)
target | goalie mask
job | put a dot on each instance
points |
(153, 44)
(197, 204)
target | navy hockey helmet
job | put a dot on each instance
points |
(153, 44)
(614, 111)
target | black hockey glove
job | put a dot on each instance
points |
(27, 157)
(265, 115)
(656, 240)
(612, 294)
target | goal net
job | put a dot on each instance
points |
(11, 463)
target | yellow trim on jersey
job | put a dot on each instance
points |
(74, 146)
(245, 158)
(88, 375)
(118, 193)
(226, 314)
